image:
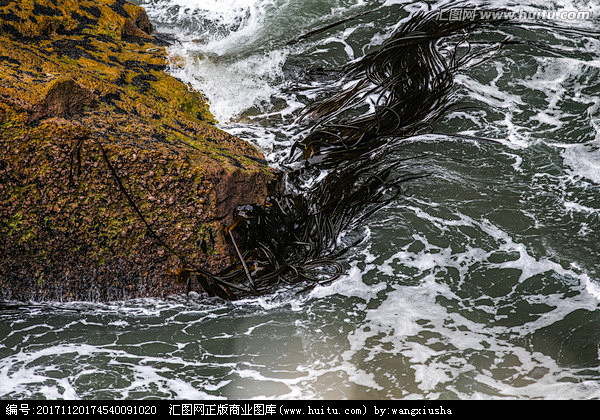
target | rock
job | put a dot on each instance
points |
(63, 98)
(114, 179)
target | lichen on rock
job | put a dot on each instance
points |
(113, 176)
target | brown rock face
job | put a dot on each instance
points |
(113, 178)
(64, 98)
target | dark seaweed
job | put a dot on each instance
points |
(141, 81)
(118, 8)
(294, 240)
(39, 9)
(92, 10)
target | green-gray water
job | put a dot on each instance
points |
(483, 281)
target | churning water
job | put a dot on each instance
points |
(483, 281)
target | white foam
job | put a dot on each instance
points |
(572, 206)
(230, 14)
(411, 323)
(505, 129)
(350, 284)
(593, 289)
(583, 160)
(219, 7)
(231, 87)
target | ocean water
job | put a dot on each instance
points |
(481, 281)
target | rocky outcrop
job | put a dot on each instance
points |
(113, 177)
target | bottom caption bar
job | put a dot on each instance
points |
(380, 409)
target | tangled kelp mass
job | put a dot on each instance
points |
(357, 130)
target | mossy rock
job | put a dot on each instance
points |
(113, 176)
